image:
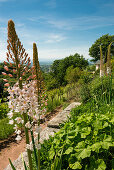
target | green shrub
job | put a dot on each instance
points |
(50, 106)
(5, 128)
(100, 89)
(3, 110)
(85, 93)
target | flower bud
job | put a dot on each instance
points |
(14, 71)
(6, 68)
(5, 80)
(19, 65)
(6, 85)
(10, 75)
(4, 73)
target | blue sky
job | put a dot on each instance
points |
(59, 27)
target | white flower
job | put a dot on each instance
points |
(11, 122)
(36, 117)
(22, 121)
(37, 111)
(30, 113)
(10, 114)
(12, 105)
(18, 138)
(28, 125)
(19, 120)
(22, 109)
(38, 146)
(27, 146)
(37, 129)
(18, 132)
(31, 147)
(10, 97)
(15, 127)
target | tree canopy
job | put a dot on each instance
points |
(59, 67)
(72, 74)
(104, 41)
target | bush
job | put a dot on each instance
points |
(3, 110)
(100, 85)
(85, 93)
(101, 89)
(5, 128)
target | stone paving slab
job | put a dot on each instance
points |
(62, 117)
(71, 106)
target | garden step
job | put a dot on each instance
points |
(61, 117)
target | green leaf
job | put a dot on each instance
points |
(76, 165)
(105, 125)
(80, 145)
(98, 124)
(108, 139)
(106, 145)
(96, 146)
(84, 153)
(12, 164)
(95, 132)
(71, 137)
(68, 141)
(51, 154)
(101, 164)
(69, 150)
(85, 131)
(112, 120)
(96, 164)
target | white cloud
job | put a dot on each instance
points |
(53, 38)
(78, 23)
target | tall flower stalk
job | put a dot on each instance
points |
(16, 54)
(108, 64)
(101, 63)
(108, 67)
(38, 78)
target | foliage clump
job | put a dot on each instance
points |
(85, 141)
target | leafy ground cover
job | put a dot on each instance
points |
(85, 141)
